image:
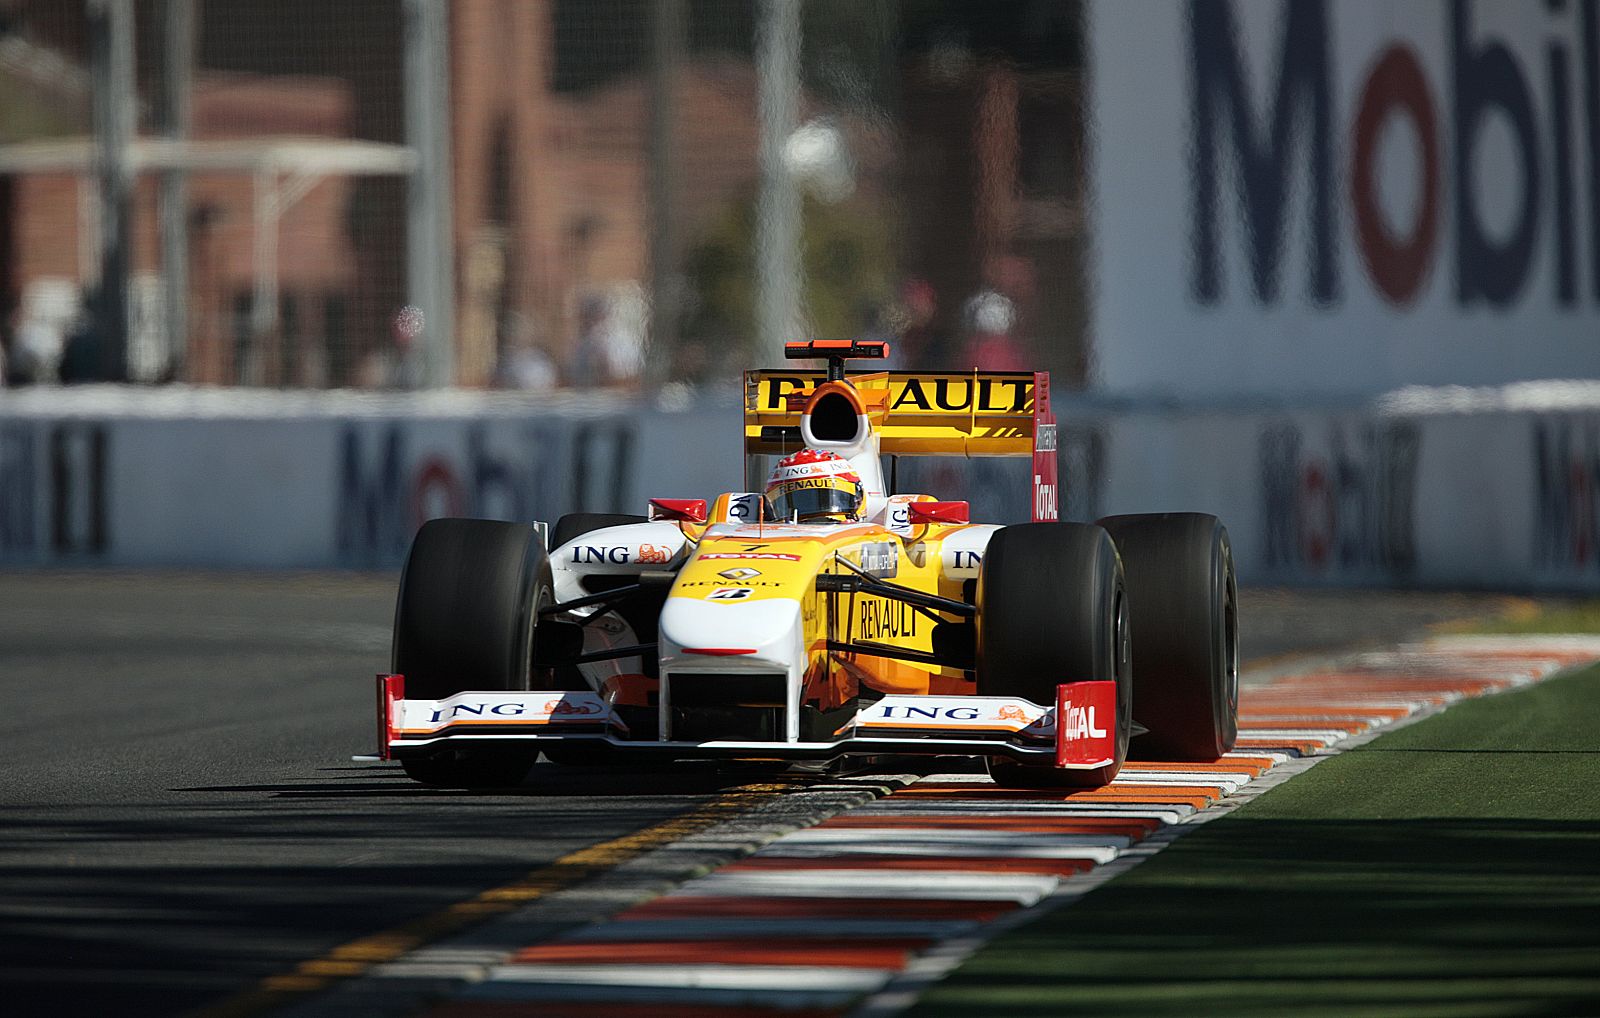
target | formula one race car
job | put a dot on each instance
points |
(826, 615)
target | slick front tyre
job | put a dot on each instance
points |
(464, 620)
(1051, 609)
(1184, 599)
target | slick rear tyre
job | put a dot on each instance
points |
(577, 524)
(1184, 601)
(1052, 608)
(464, 619)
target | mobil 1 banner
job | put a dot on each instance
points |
(55, 483)
(1336, 499)
(1308, 498)
(392, 475)
(1320, 197)
(1000, 489)
(1563, 491)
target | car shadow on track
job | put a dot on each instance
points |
(544, 780)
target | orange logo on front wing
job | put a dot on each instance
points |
(563, 707)
(1011, 712)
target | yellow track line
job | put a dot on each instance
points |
(356, 957)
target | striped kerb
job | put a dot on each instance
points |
(820, 919)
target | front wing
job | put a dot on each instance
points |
(933, 725)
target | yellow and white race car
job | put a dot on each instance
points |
(826, 615)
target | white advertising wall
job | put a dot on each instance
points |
(1342, 197)
(1478, 492)
(1492, 498)
(326, 484)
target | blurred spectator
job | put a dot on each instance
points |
(80, 355)
(627, 317)
(611, 337)
(48, 312)
(38, 353)
(916, 346)
(989, 317)
(876, 323)
(587, 367)
(523, 363)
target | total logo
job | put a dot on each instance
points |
(1081, 724)
(1044, 499)
(772, 556)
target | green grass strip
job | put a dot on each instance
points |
(1582, 617)
(1449, 868)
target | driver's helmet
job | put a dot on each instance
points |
(815, 484)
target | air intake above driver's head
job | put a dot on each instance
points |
(834, 418)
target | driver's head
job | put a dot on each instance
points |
(814, 484)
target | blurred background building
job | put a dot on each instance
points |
(534, 193)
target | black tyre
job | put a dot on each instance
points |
(1051, 609)
(1184, 601)
(464, 619)
(577, 524)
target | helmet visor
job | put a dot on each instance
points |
(810, 503)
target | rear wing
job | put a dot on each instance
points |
(922, 413)
(915, 413)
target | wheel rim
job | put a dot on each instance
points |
(538, 678)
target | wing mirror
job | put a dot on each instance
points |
(681, 510)
(940, 512)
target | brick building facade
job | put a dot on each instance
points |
(551, 185)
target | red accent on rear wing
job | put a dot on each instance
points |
(1046, 488)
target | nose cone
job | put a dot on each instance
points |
(769, 630)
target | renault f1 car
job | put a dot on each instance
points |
(826, 616)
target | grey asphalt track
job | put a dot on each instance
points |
(179, 817)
